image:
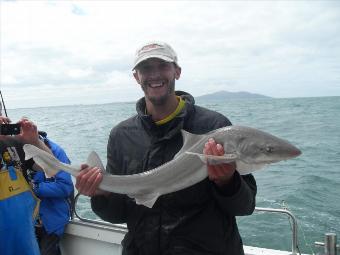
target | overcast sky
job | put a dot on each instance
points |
(81, 52)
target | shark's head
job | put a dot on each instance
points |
(258, 147)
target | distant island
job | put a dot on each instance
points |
(222, 95)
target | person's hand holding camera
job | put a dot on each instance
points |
(4, 120)
(29, 132)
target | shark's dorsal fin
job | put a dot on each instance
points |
(189, 140)
(94, 160)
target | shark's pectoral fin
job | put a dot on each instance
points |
(245, 168)
(215, 160)
(147, 200)
(200, 156)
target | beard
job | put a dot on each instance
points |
(161, 99)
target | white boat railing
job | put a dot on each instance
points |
(99, 222)
(330, 244)
(295, 248)
(123, 227)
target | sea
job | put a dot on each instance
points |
(308, 186)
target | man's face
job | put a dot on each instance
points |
(157, 79)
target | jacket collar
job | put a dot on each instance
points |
(169, 129)
(140, 105)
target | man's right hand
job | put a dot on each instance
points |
(88, 180)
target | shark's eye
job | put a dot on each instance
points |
(269, 149)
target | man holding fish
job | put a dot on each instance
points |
(199, 219)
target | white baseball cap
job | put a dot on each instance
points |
(155, 49)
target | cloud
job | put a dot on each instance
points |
(67, 50)
(77, 10)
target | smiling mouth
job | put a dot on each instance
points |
(155, 84)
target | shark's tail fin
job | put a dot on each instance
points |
(41, 158)
(48, 162)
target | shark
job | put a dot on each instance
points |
(251, 149)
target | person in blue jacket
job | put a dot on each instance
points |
(18, 204)
(56, 195)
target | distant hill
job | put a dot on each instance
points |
(222, 95)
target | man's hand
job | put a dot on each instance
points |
(221, 174)
(88, 180)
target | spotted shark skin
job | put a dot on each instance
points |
(251, 149)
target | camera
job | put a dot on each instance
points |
(9, 129)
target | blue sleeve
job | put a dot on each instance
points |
(61, 184)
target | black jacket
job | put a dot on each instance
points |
(197, 220)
